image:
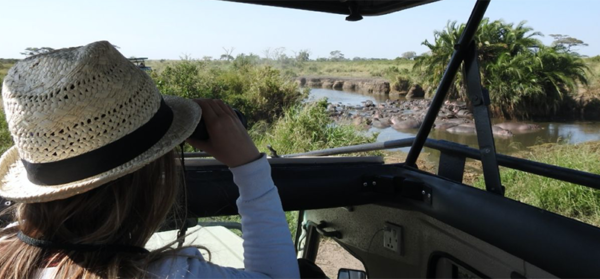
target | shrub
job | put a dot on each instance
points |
(307, 127)
(401, 83)
(260, 92)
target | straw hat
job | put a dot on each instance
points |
(81, 117)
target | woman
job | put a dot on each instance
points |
(94, 173)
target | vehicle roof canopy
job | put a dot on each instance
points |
(137, 59)
(361, 7)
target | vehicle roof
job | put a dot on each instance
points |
(365, 7)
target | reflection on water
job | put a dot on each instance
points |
(551, 132)
(575, 132)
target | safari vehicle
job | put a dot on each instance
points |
(140, 62)
(401, 222)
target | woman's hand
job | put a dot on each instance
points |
(229, 141)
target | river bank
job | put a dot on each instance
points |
(366, 112)
(585, 105)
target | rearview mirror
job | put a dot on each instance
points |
(345, 273)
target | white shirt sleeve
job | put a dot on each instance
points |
(268, 247)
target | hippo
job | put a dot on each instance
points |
(469, 128)
(331, 108)
(462, 130)
(407, 124)
(455, 103)
(368, 103)
(358, 120)
(386, 119)
(457, 121)
(518, 126)
(497, 131)
(464, 113)
(396, 119)
(445, 113)
(444, 125)
(381, 123)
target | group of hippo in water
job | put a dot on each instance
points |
(453, 117)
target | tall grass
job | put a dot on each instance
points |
(307, 127)
(593, 89)
(563, 198)
(361, 68)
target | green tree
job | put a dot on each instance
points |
(303, 56)
(524, 76)
(244, 62)
(410, 55)
(336, 55)
(227, 55)
(432, 67)
(565, 42)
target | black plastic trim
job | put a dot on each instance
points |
(437, 255)
(211, 191)
(561, 246)
(366, 8)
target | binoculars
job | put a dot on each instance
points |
(200, 133)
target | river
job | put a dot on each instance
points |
(572, 132)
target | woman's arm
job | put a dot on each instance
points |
(268, 246)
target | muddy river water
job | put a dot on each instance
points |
(551, 132)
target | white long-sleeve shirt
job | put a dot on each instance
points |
(268, 247)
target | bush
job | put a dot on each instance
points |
(401, 83)
(594, 59)
(306, 128)
(260, 92)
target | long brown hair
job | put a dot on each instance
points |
(126, 211)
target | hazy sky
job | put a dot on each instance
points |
(197, 28)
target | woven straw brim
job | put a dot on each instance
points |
(15, 186)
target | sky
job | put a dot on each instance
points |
(198, 28)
